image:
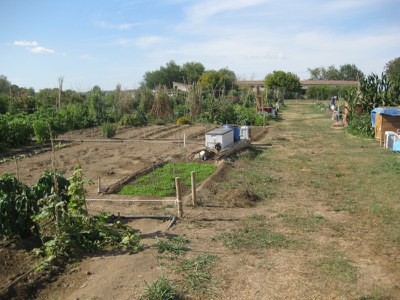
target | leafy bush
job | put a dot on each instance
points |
(17, 207)
(67, 229)
(361, 125)
(325, 92)
(248, 116)
(108, 130)
(183, 121)
(15, 130)
(41, 129)
(133, 119)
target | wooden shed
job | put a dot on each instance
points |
(385, 119)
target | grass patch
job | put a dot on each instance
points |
(161, 182)
(254, 235)
(391, 164)
(338, 267)
(308, 223)
(177, 245)
(161, 289)
(197, 272)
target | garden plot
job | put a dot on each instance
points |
(111, 159)
(132, 150)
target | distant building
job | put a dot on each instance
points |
(180, 86)
(254, 84)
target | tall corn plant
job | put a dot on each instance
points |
(373, 91)
(162, 105)
(194, 100)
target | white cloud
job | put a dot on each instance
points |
(41, 50)
(121, 26)
(26, 43)
(35, 48)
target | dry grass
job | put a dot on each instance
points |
(333, 196)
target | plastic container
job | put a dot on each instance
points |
(245, 132)
(390, 138)
(236, 134)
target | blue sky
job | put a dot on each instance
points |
(99, 42)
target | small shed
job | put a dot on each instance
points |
(385, 119)
(220, 136)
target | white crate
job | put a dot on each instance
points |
(390, 138)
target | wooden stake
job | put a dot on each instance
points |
(98, 185)
(16, 164)
(193, 182)
(179, 196)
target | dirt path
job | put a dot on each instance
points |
(321, 231)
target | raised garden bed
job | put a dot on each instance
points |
(161, 181)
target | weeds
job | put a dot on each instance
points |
(336, 266)
(174, 245)
(108, 130)
(307, 223)
(197, 272)
(254, 235)
(161, 289)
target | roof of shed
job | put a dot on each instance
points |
(219, 131)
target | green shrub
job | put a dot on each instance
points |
(133, 119)
(15, 130)
(183, 121)
(17, 207)
(41, 130)
(361, 125)
(108, 130)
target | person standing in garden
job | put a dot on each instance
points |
(332, 106)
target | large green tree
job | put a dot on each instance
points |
(350, 72)
(218, 82)
(4, 84)
(191, 71)
(164, 76)
(285, 82)
(392, 69)
(345, 72)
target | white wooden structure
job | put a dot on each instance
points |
(219, 136)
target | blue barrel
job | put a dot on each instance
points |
(236, 133)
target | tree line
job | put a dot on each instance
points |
(212, 96)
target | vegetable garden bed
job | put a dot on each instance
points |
(161, 182)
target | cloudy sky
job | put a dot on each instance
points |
(106, 42)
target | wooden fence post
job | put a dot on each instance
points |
(16, 165)
(98, 185)
(193, 181)
(179, 196)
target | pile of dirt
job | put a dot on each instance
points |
(239, 198)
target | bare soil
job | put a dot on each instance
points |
(131, 150)
(328, 241)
